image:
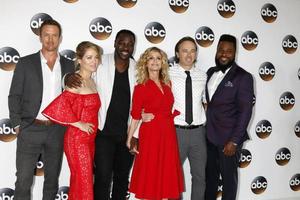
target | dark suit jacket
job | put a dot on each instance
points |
(230, 108)
(26, 90)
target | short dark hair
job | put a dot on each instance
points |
(228, 38)
(51, 22)
(127, 32)
(187, 38)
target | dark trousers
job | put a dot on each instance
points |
(31, 142)
(112, 163)
(227, 166)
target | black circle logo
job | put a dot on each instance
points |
(245, 158)
(39, 167)
(294, 182)
(155, 32)
(6, 194)
(297, 129)
(226, 8)
(7, 133)
(259, 185)
(269, 13)
(266, 71)
(9, 57)
(289, 44)
(100, 28)
(69, 54)
(283, 156)
(287, 101)
(127, 3)
(172, 61)
(37, 20)
(263, 129)
(62, 193)
(179, 6)
(249, 40)
(204, 36)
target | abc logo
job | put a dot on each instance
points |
(127, 3)
(263, 129)
(100, 28)
(299, 74)
(155, 32)
(179, 6)
(37, 20)
(7, 133)
(289, 44)
(249, 40)
(283, 156)
(266, 71)
(297, 129)
(226, 8)
(8, 58)
(245, 158)
(294, 182)
(259, 185)
(69, 54)
(6, 194)
(70, 1)
(269, 13)
(287, 101)
(171, 61)
(39, 170)
(204, 36)
(62, 193)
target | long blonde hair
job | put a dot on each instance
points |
(142, 70)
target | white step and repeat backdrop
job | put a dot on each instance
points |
(268, 34)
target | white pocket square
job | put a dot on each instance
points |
(228, 84)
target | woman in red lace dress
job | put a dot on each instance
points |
(78, 110)
(157, 172)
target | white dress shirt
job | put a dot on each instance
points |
(51, 84)
(214, 82)
(178, 77)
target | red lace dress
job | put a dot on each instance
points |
(157, 171)
(78, 145)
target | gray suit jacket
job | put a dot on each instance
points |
(26, 90)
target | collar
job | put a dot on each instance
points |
(44, 60)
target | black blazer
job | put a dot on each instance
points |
(26, 90)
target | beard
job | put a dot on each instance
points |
(222, 66)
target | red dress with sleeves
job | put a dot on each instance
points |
(157, 171)
(78, 145)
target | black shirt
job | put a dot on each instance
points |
(118, 111)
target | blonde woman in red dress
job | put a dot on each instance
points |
(77, 108)
(157, 172)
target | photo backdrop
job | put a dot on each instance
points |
(268, 33)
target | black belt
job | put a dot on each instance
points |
(188, 127)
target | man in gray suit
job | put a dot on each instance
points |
(35, 83)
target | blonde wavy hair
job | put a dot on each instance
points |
(142, 70)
